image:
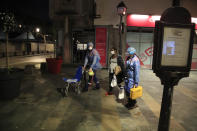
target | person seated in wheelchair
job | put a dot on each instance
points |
(92, 64)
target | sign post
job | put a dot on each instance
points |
(173, 44)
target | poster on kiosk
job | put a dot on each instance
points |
(175, 46)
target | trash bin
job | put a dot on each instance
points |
(54, 65)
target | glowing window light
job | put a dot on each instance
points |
(194, 20)
(155, 18)
(135, 16)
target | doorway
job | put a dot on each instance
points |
(79, 42)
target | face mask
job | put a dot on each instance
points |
(90, 48)
(132, 56)
(112, 52)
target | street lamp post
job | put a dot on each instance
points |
(42, 35)
(121, 9)
(173, 37)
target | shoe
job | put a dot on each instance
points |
(97, 86)
(120, 101)
(128, 105)
(131, 106)
(108, 93)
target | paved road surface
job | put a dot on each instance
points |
(41, 108)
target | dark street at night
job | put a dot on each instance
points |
(98, 65)
(41, 108)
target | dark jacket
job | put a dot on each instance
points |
(120, 63)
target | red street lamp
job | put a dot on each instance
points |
(121, 10)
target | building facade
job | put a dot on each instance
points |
(103, 27)
(73, 20)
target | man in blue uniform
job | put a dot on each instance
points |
(92, 59)
(132, 75)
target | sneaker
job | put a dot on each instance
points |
(108, 93)
(97, 86)
(129, 106)
(120, 101)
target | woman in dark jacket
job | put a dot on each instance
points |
(115, 60)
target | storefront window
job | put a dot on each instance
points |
(81, 46)
(142, 40)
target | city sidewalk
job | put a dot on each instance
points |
(16, 61)
(41, 108)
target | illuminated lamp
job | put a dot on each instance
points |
(121, 9)
(135, 16)
(155, 18)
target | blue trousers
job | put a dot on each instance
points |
(129, 83)
(93, 79)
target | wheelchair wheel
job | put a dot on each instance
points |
(78, 90)
(65, 91)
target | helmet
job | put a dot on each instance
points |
(90, 44)
(131, 50)
(90, 73)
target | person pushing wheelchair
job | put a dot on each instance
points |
(92, 64)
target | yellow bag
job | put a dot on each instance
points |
(135, 92)
(90, 73)
(117, 70)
